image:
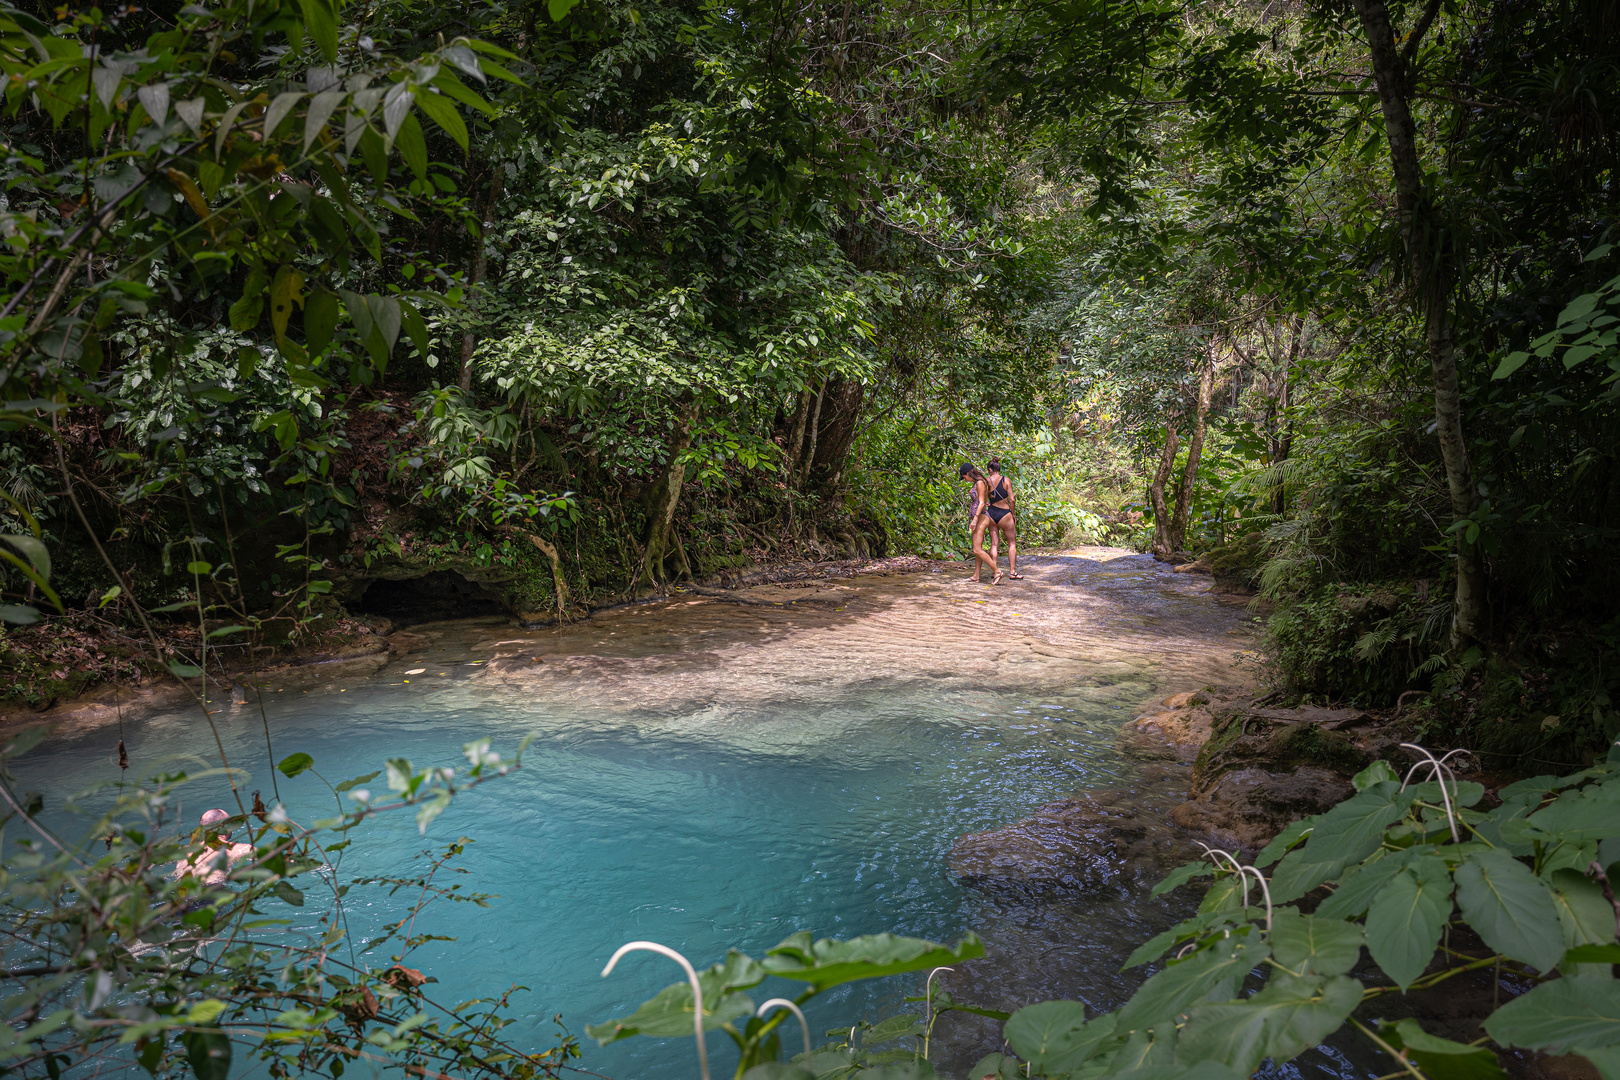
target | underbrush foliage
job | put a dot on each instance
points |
(187, 952)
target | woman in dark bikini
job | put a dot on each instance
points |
(979, 521)
(999, 510)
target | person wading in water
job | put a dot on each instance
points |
(978, 522)
(1000, 515)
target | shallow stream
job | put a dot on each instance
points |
(711, 772)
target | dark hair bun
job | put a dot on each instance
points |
(995, 466)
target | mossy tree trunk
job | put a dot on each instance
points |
(663, 498)
(840, 410)
(1177, 538)
(1430, 251)
(1161, 510)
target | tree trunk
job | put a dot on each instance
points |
(1426, 248)
(1284, 441)
(1161, 512)
(469, 339)
(559, 582)
(840, 412)
(1177, 539)
(810, 431)
(791, 452)
(665, 496)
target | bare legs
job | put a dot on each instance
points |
(980, 558)
(1008, 527)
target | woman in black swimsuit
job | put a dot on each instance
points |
(980, 520)
(999, 507)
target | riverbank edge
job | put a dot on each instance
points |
(362, 644)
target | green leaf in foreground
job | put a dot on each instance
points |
(1442, 1059)
(1512, 909)
(1310, 944)
(1054, 1037)
(1593, 954)
(1218, 968)
(1360, 887)
(293, 764)
(1404, 922)
(1286, 1017)
(1559, 1016)
(669, 1015)
(828, 962)
(209, 1051)
(1181, 875)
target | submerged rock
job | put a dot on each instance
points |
(1104, 840)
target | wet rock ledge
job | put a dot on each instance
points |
(1103, 841)
(1225, 769)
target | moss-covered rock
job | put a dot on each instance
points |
(1236, 566)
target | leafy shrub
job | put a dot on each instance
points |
(1360, 643)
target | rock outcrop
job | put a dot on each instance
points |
(1101, 841)
(1255, 769)
(1178, 728)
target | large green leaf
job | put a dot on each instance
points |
(293, 764)
(208, 1050)
(1531, 786)
(1511, 908)
(1291, 837)
(1511, 812)
(1360, 887)
(1225, 894)
(1353, 830)
(1287, 1016)
(1442, 1059)
(1584, 914)
(1181, 875)
(1306, 944)
(1560, 1015)
(1593, 814)
(1344, 835)
(1156, 946)
(1185, 982)
(1461, 793)
(1298, 874)
(669, 1015)
(1054, 1037)
(827, 962)
(1142, 1052)
(1404, 922)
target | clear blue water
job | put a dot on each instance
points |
(703, 826)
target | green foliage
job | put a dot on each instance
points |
(250, 988)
